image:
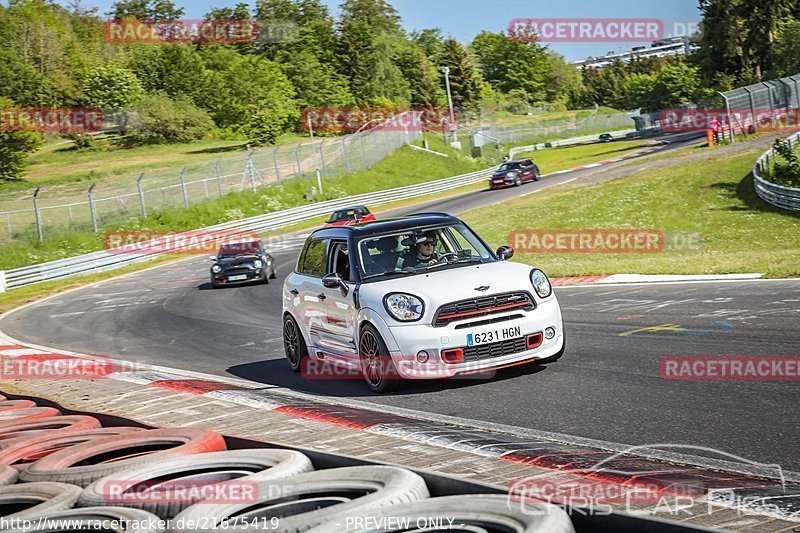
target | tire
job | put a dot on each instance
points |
(377, 365)
(484, 512)
(135, 449)
(214, 284)
(8, 475)
(13, 432)
(237, 466)
(537, 175)
(517, 182)
(16, 404)
(556, 357)
(274, 274)
(122, 519)
(27, 413)
(42, 498)
(265, 277)
(294, 345)
(308, 500)
(35, 448)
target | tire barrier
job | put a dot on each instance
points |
(14, 431)
(208, 468)
(62, 474)
(94, 459)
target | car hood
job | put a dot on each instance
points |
(239, 260)
(439, 287)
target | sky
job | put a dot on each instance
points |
(464, 19)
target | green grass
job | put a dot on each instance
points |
(506, 118)
(555, 159)
(713, 198)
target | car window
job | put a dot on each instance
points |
(527, 162)
(509, 166)
(313, 259)
(340, 260)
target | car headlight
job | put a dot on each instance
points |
(216, 269)
(404, 307)
(257, 263)
(540, 283)
(511, 175)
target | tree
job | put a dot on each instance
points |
(111, 87)
(639, 91)
(159, 10)
(675, 85)
(787, 48)
(377, 14)
(512, 65)
(14, 147)
(426, 85)
(762, 23)
(158, 119)
(430, 41)
(172, 68)
(465, 83)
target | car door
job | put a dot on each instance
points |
(339, 337)
(308, 284)
(528, 170)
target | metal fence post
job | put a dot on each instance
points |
(771, 103)
(319, 181)
(346, 158)
(8, 222)
(730, 117)
(322, 158)
(141, 194)
(219, 177)
(182, 177)
(752, 108)
(37, 215)
(275, 161)
(251, 170)
(2, 281)
(297, 160)
(92, 211)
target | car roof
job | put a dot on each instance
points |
(353, 208)
(517, 161)
(364, 229)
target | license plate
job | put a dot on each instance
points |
(496, 335)
(240, 277)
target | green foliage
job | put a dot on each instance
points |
(111, 87)
(787, 48)
(465, 82)
(172, 68)
(145, 10)
(158, 119)
(14, 148)
(786, 171)
(675, 85)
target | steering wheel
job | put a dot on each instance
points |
(444, 257)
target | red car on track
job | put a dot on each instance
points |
(350, 216)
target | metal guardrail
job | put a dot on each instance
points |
(564, 142)
(105, 260)
(777, 195)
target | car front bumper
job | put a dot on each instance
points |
(223, 279)
(501, 184)
(407, 341)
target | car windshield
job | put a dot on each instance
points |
(239, 248)
(340, 216)
(420, 250)
(510, 166)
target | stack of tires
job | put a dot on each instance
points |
(62, 473)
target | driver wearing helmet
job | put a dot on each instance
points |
(422, 252)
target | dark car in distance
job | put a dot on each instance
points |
(242, 262)
(514, 173)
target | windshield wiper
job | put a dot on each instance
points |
(392, 273)
(461, 260)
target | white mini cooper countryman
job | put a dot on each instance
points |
(419, 297)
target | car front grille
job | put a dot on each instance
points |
(494, 349)
(478, 307)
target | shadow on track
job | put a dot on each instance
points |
(276, 372)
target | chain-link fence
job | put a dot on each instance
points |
(37, 213)
(768, 105)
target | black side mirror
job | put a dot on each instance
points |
(505, 252)
(333, 281)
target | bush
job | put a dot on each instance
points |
(158, 119)
(786, 171)
(14, 148)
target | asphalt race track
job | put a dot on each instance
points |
(608, 386)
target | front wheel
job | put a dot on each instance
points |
(376, 362)
(294, 346)
(517, 182)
